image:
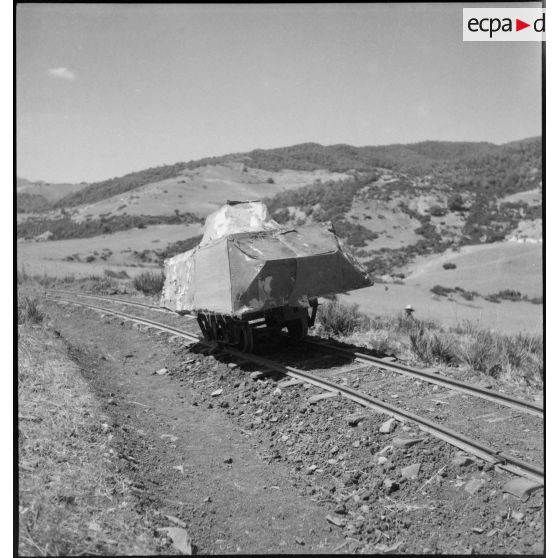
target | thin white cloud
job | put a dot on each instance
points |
(62, 73)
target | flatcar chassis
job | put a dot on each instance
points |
(239, 331)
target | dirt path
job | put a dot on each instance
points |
(177, 452)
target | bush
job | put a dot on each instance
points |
(437, 211)
(149, 283)
(506, 294)
(449, 265)
(441, 291)
(28, 311)
(456, 203)
(341, 319)
(117, 274)
(509, 294)
(90, 259)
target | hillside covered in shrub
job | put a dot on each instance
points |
(507, 168)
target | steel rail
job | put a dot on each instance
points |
(445, 381)
(474, 447)
(120, 300)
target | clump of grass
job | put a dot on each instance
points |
(22, 275)
(28, 311)
(341, 319)
(123, 274)
(382, 342)
(407, 324)
(507, 357)
(525, 353)
(149, 282)
(482, 351)
(431, 346)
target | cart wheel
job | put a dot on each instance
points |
(241, 336)
(221, 330)
(298, 329)
(246, 344)
(203, 322)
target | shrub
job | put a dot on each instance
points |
(509, 294)
(441, 291)
(149, 282)
(28, 311)
(90, 259)
(117, 274)
(449, 265)
(437, 211)
(456, 203)
(338, 318)
(506, 294)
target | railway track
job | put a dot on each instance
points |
(475, 447)
(359, 356)
(119, 300)
(451, 383)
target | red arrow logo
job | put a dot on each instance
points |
(519, 25)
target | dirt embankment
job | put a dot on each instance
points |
(74, 495)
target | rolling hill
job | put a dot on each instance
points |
(404, 209)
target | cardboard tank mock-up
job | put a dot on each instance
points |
(248, 263)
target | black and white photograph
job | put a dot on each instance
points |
(279, 278)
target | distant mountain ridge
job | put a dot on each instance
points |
(470, 160)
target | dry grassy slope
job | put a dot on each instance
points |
(73, 498)
(485, 268)
(48, 257)
(390, 300)
(202, 190)
(51, 192)
(530, 197)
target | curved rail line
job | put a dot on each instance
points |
(475, 447)
(121, 301)
(444, 381)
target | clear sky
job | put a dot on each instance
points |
(104, 90)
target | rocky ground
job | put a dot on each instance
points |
(249, 463)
